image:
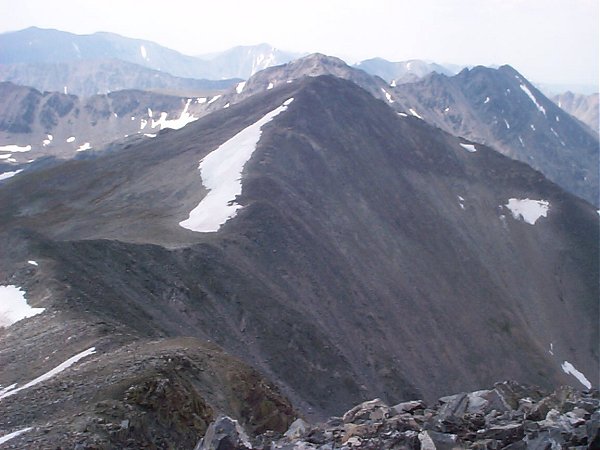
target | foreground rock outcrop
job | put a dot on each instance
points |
(509, 416)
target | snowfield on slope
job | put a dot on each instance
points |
(14, 148)
(7, 175)
(13, 306)
(221, 172)
(184, 118)
(12, 435)
(10, 390)
(469, 147)
(528, 210)
(568, 368)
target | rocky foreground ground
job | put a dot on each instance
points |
(509, 416)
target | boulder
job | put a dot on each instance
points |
(432, 440)
(297, 429)
(593, 430)
(224, 433)
(409, 407)
(506, 434)
(372, 410)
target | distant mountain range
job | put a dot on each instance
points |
(35, 124)
(583, 107)
(103, 62)
(404, 71)
(496, 107)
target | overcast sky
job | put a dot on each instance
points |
(552, 41)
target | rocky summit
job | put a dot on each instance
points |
(509, 416)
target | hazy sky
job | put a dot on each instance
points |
(552, 41)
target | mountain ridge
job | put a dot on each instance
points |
(295, 270)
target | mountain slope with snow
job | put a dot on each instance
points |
(408, 264)
(500, 108)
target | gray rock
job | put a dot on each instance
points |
(224, 434)
(297, 429)
(453, 405)
(593, 430)
(507, 434)
(546, 440)
(432, 440)
(409, 407)
(369, 410)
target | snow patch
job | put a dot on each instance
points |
(240, 87)
(221, 172)
(6, 156)
(201, 100)
(14, 148)
(226, 106)
(143, 52)
(568, 368)
(149, 113)
(14, 434)
(71, 139)
(468, 147)
(84, 147)
(143, 123)
(393, 83)
(414, 113)
(446, 109)
(557, 137)
(487, 100)
(270, 86)
(46, 142)
(175, 124)
(528, 210)
(532, 126)
(51, 373)
(6, 175)
(65, 90)
(13, 306)
(387, 95)
(214, 99)
(507, 124)
(150, 135)
(551, 351)
(521, 141)
(402, 114)
(533, 99)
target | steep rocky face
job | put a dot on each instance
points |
(374, 256)
(582, 107)
(502, 109)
